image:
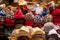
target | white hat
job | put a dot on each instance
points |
(25, 29)
(48, 24)
(58, 35)
(15, 31)
(52, 32)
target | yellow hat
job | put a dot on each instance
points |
(22, 2)
(9, 6)
(37, 31)
(3, 5)
(23, 33)
(20, 34)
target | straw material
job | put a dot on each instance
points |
(19, 33)
(37, 31)
(38, 35)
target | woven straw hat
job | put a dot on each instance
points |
(22, 2)
(37, 31)
(3, 5)
(38, 34)
(22, 32)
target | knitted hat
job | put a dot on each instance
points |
(48, 18)
(38, 19)
(2, 13)
(19, 14)
(29, 16)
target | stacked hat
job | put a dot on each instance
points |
(2, 16)
(29, 16)
(23, 31)
(19, 14)
(38, 19)
(9, 22)
(15, 31)
(10, 13)
(56, 16)
(3, 5)
(37, 31)
(22, 2)
(2, 12)
(48, 26)
(29, 19)
(38, 34)
(52, 32)
(48, 18)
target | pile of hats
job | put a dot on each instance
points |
(27, 33)
(9, 20)
(29, 19)
(2, 16)
(48, 18)
(19, 16)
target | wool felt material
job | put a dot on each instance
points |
(56, 17)
(9, 22)
(20, 21)
(19, 14)
(29, 23)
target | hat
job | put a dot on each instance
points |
(29, 16)
(25, 28)
(3, 5)
(37, 31)
(24, 31)
(48, 18)
(20, 33)
(15, 31)
(19, 14)
(48, 24)
(52, 32)
(22, 2)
